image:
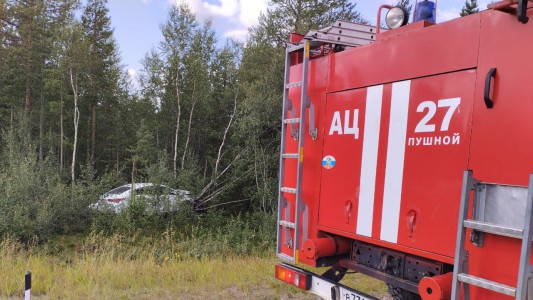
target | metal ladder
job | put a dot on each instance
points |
(284, 220)
(341, 33)
(344, 33)
(460, 271)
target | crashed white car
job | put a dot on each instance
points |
(155, 196)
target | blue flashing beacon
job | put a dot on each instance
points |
(425, 10)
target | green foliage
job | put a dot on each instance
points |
(143, 153)
(159, 172)
(215, 233)
(218, 234)
(206, 119)
(34, 200)
(406, 4)
(469, 8)
(285, 16)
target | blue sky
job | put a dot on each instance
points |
(136, 22)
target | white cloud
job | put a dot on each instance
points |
(145, 1)
(250, 10)
(132, 73)
(231, 17)
(134, 82)
(239, 34)
(227, 8)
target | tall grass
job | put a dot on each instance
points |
(138, 267)
(214, 253)
(119, 267)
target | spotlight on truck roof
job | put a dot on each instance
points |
(397, 17)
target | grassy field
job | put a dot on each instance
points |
(123, 268)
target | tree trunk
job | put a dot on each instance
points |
(118, 161)
(73, 83)
(62, 132)
(177, 128)
(205, 169)
(41, 129)
(219, 156)
(93, 135)
(133, 171)
(28, 92)
(28, 67)
(189, 127)
(216, 175)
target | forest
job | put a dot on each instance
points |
(202, 117)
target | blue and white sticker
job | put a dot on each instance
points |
(328, 162)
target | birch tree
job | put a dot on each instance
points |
(178, 31)
(75, 61)
(197, 68)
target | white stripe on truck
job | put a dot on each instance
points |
(365, 211)
(395, 161)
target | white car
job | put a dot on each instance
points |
(155, 196)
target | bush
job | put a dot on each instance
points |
(34, 198)
(37, 202)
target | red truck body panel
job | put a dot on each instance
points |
(399, 121)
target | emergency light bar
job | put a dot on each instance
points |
(425, 10)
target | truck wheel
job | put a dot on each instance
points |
(401, 294)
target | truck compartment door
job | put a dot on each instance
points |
(393, 160)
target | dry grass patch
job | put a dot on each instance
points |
(112, 268)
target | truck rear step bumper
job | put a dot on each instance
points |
(325, 288)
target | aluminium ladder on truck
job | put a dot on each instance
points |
(488, 202)
(290, 223)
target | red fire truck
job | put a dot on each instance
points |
(406, 155)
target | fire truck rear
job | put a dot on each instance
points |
(406, 155)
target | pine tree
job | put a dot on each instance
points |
(104, 71)
(56, 79)
(261, 86)
(23, 28)
(286, 16)
(469, 8)
(143, 151)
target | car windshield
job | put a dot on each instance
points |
(119, 190)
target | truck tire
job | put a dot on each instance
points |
(401, 294)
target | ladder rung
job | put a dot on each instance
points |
(290, 155)
(290, 121)
(290, 85)
(296, 47)
(487, 284)
(287, 224)
(288, 190)
(494, 229)
(286, 257)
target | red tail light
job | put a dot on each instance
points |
(117, 200)
(293, 277)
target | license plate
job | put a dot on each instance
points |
(349, 295)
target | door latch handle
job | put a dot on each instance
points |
(522, 11)
(489, 88)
